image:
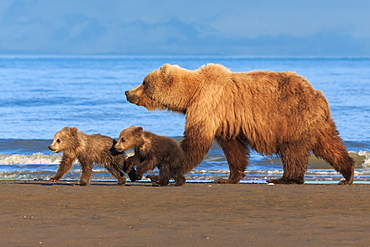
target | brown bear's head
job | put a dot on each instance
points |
(64, 140)
(130, 138)
(164, 88)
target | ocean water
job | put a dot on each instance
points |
(40, 95)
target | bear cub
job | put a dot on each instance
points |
(87, 149)
(152, 151)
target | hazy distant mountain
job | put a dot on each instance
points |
(51, 27)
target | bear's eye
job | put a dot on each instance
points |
(122, 139)
(58, 141)
(146, 84)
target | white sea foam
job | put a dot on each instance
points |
(362, 159)
(36, 158)
(366, 162)
(42, 166)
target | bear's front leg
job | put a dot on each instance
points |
(237, 156)
(195, 145)
(129, 167)
(143, 167)
(132, 175)
(64, 166)
(86, 174)
(130, 163)
(114, 170)
(153, 178)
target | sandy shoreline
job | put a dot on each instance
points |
(41, 213)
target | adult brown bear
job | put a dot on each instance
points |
(270, 112)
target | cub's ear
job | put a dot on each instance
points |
(73, 131)
(138, 130)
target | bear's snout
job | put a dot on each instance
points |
(132, 98)
(118, 149)
(51, 148)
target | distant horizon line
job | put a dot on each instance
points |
(109, 55)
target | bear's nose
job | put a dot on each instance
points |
(127, 92)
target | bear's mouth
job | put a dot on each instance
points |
(132, 99)
(53, 149)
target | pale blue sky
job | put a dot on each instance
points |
(180, 27)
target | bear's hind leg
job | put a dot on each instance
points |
(237, 156)
(295, 161)
(115, 171)
(333, 151)
(179, 179)
(164, 175)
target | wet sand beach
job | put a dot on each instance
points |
(41, 213)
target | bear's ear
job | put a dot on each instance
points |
(138, 130)
(165, 69)
(73, 131)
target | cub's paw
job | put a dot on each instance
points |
(132, 175)
(138, 177)
(121, 182)
(177, 184)
(225, 181)
(221, 181)
(53, 180)
(153, 178)
(285, 181)
(155, 184)
(80, 184)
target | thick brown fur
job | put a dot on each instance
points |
(87, 149)
(273, 113)
(153, 151)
